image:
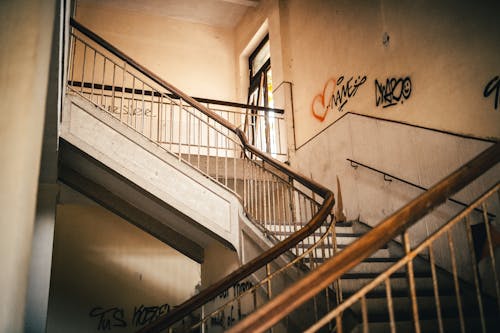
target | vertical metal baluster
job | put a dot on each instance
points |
(252, 189)
(263, 193)
(258, 192)
(269, 199)
(321, 250)
(235, 177)
(293, 206)
(113, 90)
(278, 122)
(390, 308)
(411, 282)
(268, 273)
(274, 202)
(72, 62)
(216, 152)
(199, 142)
(123, 91)
(435, 288)
(188, 130)
(143, 109)
(254, 193)
(171, 134)
(83, 67)
(245, 202)
(180, 126)
(207, 125)
(151, 113)
(103, 82)
(248, 175)
(93, 78)
(264, 196)
(456, 282)
(339, 281)
(338, 320)
(283, 207)
(364, 314)
(298, 209)
(159, 134)
(225, 161)
(475, 272)
(131, 110)
(491, 252)
(254, 292)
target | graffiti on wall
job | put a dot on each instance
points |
(392, 92)
(493, 87)
(237, 288)
(115, 317)
(336, 94)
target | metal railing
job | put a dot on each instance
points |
(154, 115)
(390, 177)
(402, 297)
(275, 198)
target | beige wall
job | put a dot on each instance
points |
(445, 52)
(448, 49)
(25, 31)
(196, 58)
(102, 263)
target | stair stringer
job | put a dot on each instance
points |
(207, 204)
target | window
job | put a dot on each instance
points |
(260, 93)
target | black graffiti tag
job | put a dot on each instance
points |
(345, 90)
(147, 314)
(394, 91)
(108, 318)
(493, 86)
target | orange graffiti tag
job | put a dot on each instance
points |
(318, 108)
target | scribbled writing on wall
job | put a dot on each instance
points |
(108, 318)
(147, 314)
(392, 92)
(493, 86)
(238, 289)
(129, 110)
(115, 317)
(226, 316)
(336, 94)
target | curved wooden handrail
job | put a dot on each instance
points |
(332, 269)
(266, 257)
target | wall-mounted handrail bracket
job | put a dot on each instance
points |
(387, 178)
(353, 164)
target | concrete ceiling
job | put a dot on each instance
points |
(219, 13)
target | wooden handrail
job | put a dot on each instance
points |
(266, 257)
(332, 269)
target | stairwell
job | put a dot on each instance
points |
(249, 204)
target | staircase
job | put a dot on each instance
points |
(311, 273)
